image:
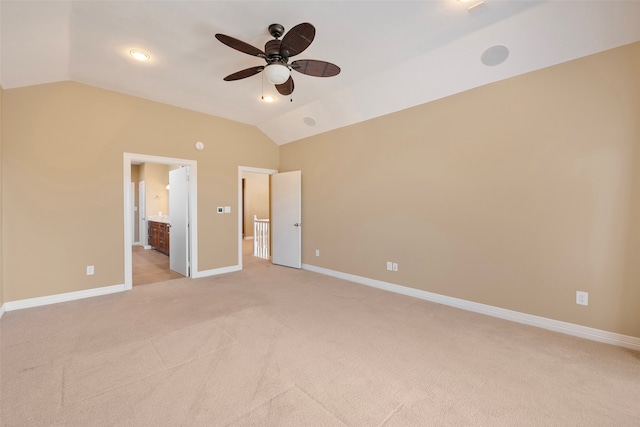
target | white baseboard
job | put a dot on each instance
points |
(2, 310)
(216, 271)
(69, 296)
(592, 334)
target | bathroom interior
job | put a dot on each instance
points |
(150, 193)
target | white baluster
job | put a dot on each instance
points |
(260, 237)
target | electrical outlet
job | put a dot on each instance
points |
(220, 209)
(582, 298)
(395, 266)
(90, 270)
(317, 252)
(389, 266)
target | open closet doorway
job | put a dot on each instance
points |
(163, 221)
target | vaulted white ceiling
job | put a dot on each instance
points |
(393, 54)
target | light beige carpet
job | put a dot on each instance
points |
(272, 346)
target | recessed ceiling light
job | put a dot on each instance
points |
(139, 55)
(267, 98)
(309, 121)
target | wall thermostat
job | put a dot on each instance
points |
(200, 145)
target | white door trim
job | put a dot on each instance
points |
(249, 169)
(128, 159)
(142, 214)
(132, 196)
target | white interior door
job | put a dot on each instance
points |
(286, 209)
(142, 213)
(179, 220)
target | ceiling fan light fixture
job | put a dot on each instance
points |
(277, 73)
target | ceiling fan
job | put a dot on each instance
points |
(277, 53)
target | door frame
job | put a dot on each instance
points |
(249, 169)
(132, 212)
(143, 232)
(132, 158)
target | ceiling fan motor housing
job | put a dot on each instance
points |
(272, 50)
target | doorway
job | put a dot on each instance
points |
(255, 204)
(285, 209)
(188, 234)
(159, 251)
(256, 212)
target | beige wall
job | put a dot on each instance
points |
(63, 147)
(1, 210)
(516, 194)
(256, 199)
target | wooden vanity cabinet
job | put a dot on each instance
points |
(159, 236)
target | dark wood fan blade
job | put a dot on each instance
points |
(286, 88)
(312, 67)
(297, 39)
(240, 45)
(243, 74)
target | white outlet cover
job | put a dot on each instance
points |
(582, 298)
(227, 209)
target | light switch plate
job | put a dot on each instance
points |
(227, 209)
